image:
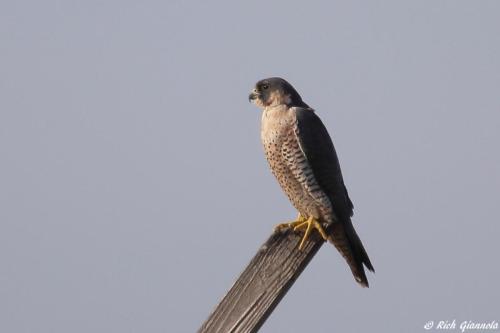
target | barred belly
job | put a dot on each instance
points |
(290, 166)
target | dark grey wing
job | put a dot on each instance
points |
(317, 145)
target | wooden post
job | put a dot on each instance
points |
(262, 285)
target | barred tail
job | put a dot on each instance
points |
(347, 242)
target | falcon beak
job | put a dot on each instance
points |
(253, 95)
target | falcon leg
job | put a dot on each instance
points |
(300, 219)
(310, 224)
(305, 224)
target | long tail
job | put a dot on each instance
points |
(347, 242)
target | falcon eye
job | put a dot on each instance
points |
(265, 86)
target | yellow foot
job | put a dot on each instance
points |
(282, 226)
(307, 224)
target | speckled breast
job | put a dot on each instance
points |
(289, 164)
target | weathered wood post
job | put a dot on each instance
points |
(262, 285)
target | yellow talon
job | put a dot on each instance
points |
(301, 223)
(293, 224)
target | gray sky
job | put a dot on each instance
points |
(134, 188)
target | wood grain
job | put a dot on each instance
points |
(262, 285)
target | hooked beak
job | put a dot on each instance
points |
(253, 95)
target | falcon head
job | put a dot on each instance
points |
(275, 91)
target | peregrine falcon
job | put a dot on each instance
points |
(302, 158)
